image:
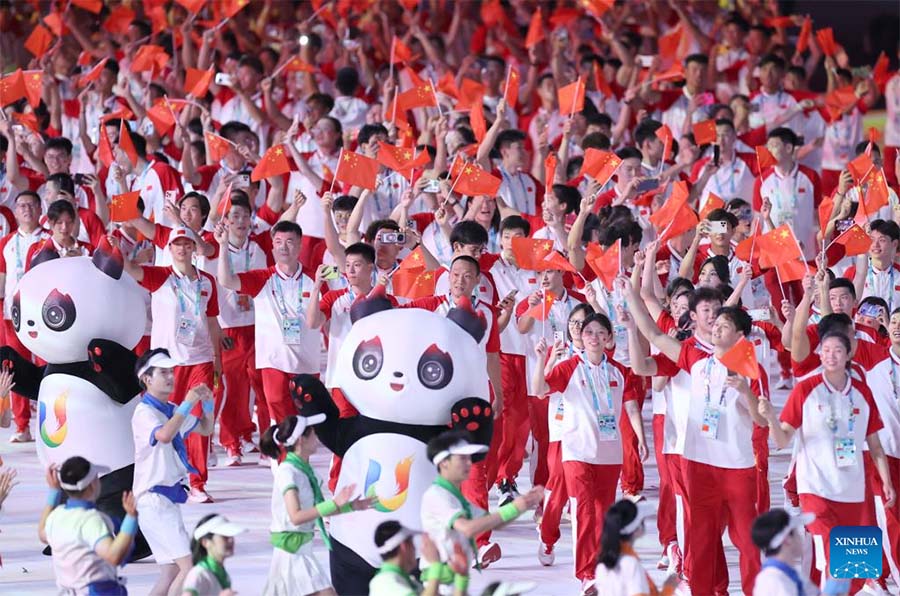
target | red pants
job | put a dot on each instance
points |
(828, 181)
(632, 466)
(761, 453)
(277, 404)
(187, 377)
(556, 495)
(890, 525)
(239, 375)
(675, 465)
(21, 405)
(312, 250)
(592, 489)
(888, 156)
(514, 418)
(830, 514)
(540, 432)
(665, 515)
(719, 497)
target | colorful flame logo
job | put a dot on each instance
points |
(401, 475)
(55, 438)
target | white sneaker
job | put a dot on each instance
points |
(784, 383)
(546, 555)
(212, 459)
(588, 588)
(199, 496)
(249, 447)
(489, 553)
(22, 437)
(233, 460)
(676, 559)
(663, 562)
(634, 498)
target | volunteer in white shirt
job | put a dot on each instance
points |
(396, 547)
(834, 416)
(298, 506)
(212, 543)
(781, 538)
(285, 343)
(85, 553)
(597, 391)
(447, 517)
(161, 461)
(876, 274)
(619, 572)
(185, 304)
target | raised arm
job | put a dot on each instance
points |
(669, 346)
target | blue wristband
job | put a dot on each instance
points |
(53, 497)
(184, 409)
(129, 525)
(208, 405)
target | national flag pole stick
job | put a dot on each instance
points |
(437, 103)
(394, 109)
(543, 311)
(506, 86)
(391, 65)
(799, 249)
(334, 176)
(780, 286)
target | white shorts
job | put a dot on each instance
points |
(161, 523)
(295, 574)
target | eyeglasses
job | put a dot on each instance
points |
(576, 323)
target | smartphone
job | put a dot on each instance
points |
(79, 179)
(242, 181)
(331, 274)
(759, 314)
(432, 186)
(718, 227)
(559, 337)
(869, 310)
(350, 44)
(393, 238)
(644, 60)
(716, 155)
(224, 79)
(842, 225)
(648, 185)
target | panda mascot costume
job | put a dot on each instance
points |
(78, 314)
(409, 374)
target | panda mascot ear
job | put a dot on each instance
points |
(47, 252)
(375, 301)
(108, 259)
(464, 315)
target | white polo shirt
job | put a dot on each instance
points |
(557, 322)
(440, 509)
(591, 393)
(73, 533)
(13, 255)
(507, 277)
(731, 447)
(519, 191)
(768, 107)
(810, 407)
(884, 381)
(180, 308)
(280, 305)
(793, 197)
(883, 283)
(841, 138)
(287, 477)
(311, 217)
(235, 309)
(155, 463)
(485, 291)
(627, 577)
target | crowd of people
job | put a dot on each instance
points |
(642, 201)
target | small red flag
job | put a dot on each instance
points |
(764, 159)
(161, 117)
(664, 134)
(600, 165)
(224, 207)
(877, 193)
(825, 38)
(149, 57)
(839, 101)
(713, 202)
(607, 265)
(803, 36)
(741, 359)
(93, 74)
(469, 179)
(119, 20)
(218, 147)
(469, 91)
(778, 246)
(880, 72)
(555, 262)
(685, 220)
(357, 170)
(666, 214)
(413, 283)
(298, 65)
(528, 252)
(793, 270)
(104, 148)
(39, 41)
(597, 8)
(852, 242)
(779, 22)
(94, 6)
(400, 52)
(860, 168)
(571, 98)
(12, 88)
(124, 207)
(541, 310)
(33, 80)
(414, 261)
(535, 33)
(273, 163)
(417, 97)
(601, 83)
(704, 132)
(401, 159)
(550, 163)
(55, 24)
(511, 89)
(232, 7)
(476, 119)
(196, 81)
(126, 144)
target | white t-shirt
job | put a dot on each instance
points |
(335, 305)
(287, 477)
(311, 217)
(236, 310)
(768, 108)
(73, 533)
(810, 407)
(440, 509)
(155, 463)
(506, 279)
(519, 191)
(841, 138)
(793, 198)
(627, 578)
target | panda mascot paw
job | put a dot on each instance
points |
(475, 416)
(310, 397)
(27, 376)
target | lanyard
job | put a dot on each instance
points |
(180, 294)
(604, 378)
(730, 176)
(515, 203)
(871, 282)
(278, 290)
(20, 261)
(832, 418)
(786, 212)
(246, 252)
(707, 381)
(391, 569)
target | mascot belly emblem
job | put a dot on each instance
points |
(82, 317)
(405, 387)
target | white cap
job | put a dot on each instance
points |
(303, 422)
(93, 472)
(462, 447)
(220, 525)
(181, 232)
(158, 360)
(644, 510)
(396, 540)
(796, 521)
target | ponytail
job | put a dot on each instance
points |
(198, 551)
(617, 517)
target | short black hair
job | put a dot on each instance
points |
(468, 232)
(738, 316)
(842, 282)
(384, 532)
(598, 317)
(58, 143)
(888, 228)
(346, 80)
(72, 471)
(467, 259)
(862, 146)
(701, 295)
(678, 286)
(287, 226)
(596, 140)
(380, 224)
(725, 122)
(508, 137)
(63, 181)
(324, 99)
(253, 62)
(444, 441)
(646, 130)
(834, 322)
(630, 152)
(515, 222)
(230, 130)
(366, 251)
(368, 131)
(201, 200)
(701, 59)
(344, 203)
(568, 195)
(766, 527)
(238, 199)
(773, 59)
(142, 26)
(785, 135)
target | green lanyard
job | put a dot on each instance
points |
(216, 569)
(390, 568)
(294, 460)
(446, 485)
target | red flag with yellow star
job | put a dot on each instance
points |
(12, 88)
(664, 134)
(298, 65)
(273, 163)
(860, 168)
(414, 261)
(511, 88)
(704, 132)
(541, 310)
(528, 252)
(401, 159)
(741, 359)
(666, 214)
(713, 202)
(469, 179)
(196, 81)
(418, 97)
(124, 207)
(217, 147)
(852, 242)
(555, 262)
(777, 247)
(357, 170)
(684, 220)
(600, 165)
(764, 158)
(413, 283)
(571, 98)
(877, 193)
(608, 264)
(535, 33)
(33, 80)
(232, 7)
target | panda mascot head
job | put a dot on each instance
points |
(61, 304)
(409, 365)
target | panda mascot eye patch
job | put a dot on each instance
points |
(16, 312)
(368, 359)
(435, 368)
(58, 311)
